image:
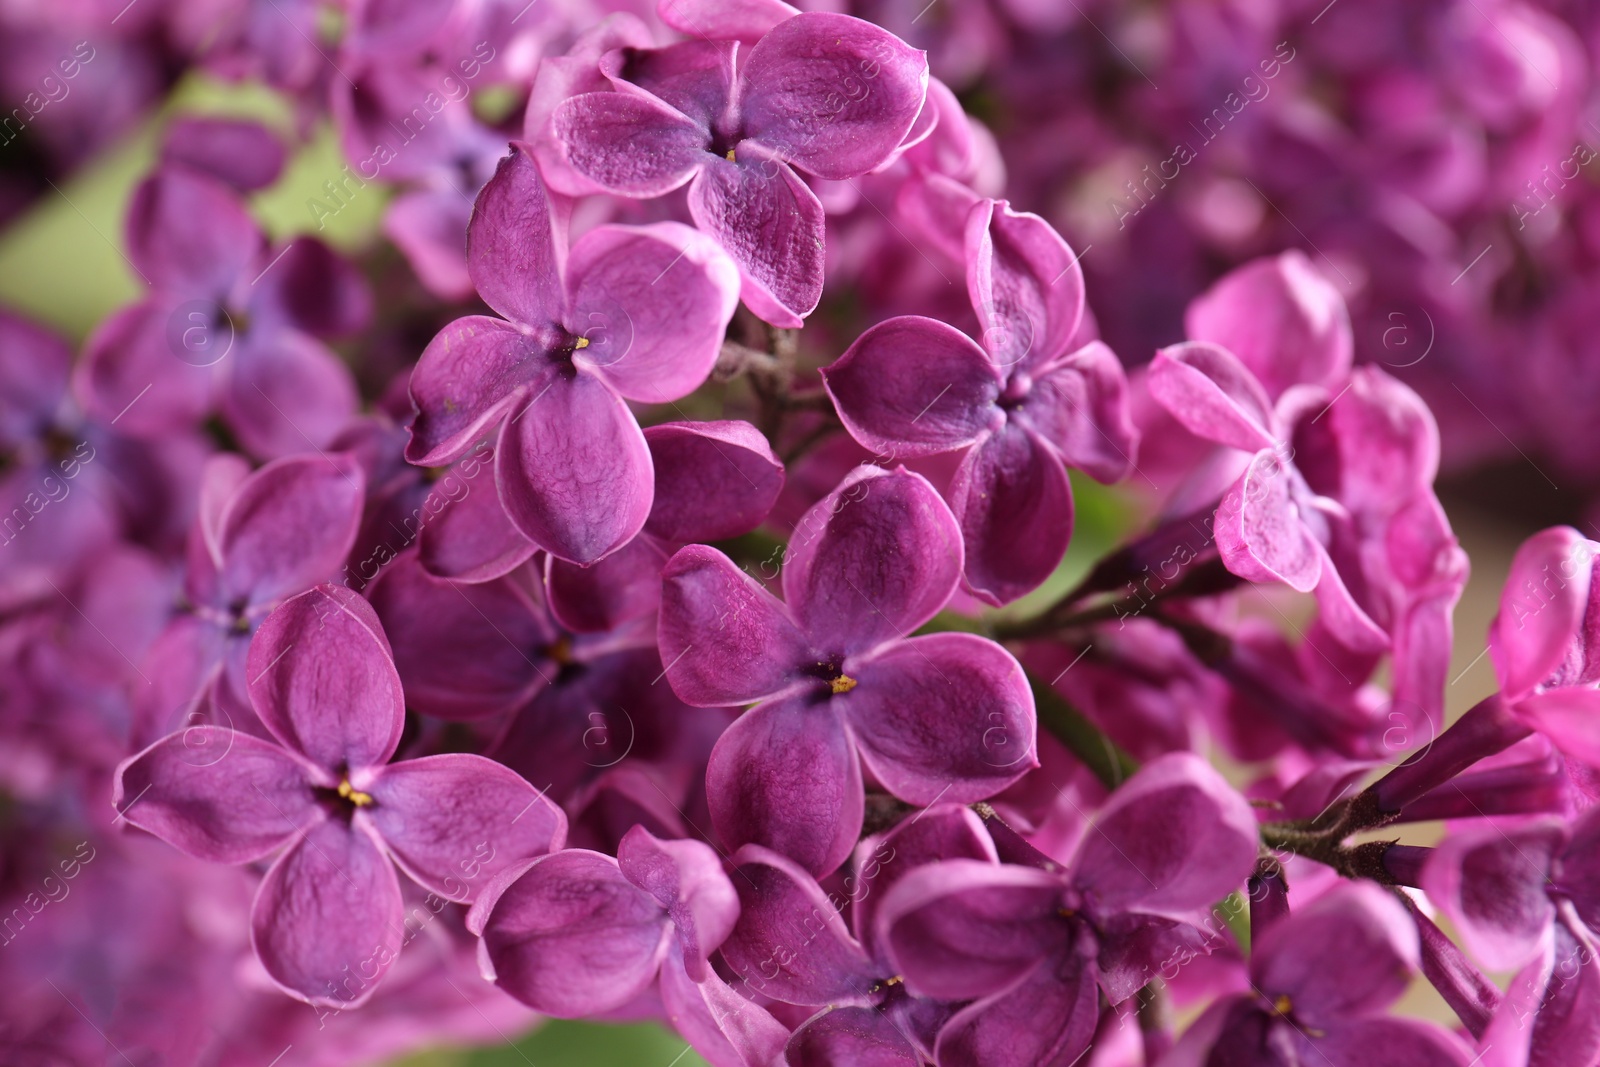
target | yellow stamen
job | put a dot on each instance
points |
(582, 342)
(353, 795)
(561, 650)
(842, 684)
(1282, 1005)
(729, 156)
(896, 980)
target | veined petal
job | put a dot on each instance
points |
(1212, 395)
(1491, 882)
(1025, 284)
(630, 144)
(854, 1035)
(1014, 501)
(686, 878)
(289, 525)
(475, 372)
(515, 243)
(1259, 529)
(714, 480)
(1542, 607)
(1049, 1018)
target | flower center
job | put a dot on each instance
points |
(1283, 1005)
(842, 684)
(353, 795)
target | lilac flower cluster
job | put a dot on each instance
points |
(639, 589)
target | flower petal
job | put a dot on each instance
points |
(453, 822)
(132, 376)
(785, 776)
(686, 878)
(653, 303)
(1570, 718)
(1025, 284)
(289, 525)
(323, 681)
(714, 480)
(1049, 1018)
(630, 144)
(862, 1036)
(326, 923)
(469, 538)
(1212, 395)
(572, 937)
(1541, 608)
(1260, 532)
(1391, 1042)
(217, 794)
(626, 585)
(832, 94)
(515, 241)
(189, 235)
(737, 20)
(872, 561)
(914, 386)
(1491, 882)
(573, 471)
(468, 378)
(1079, 403)
(1014, 501)
(725, 1027)
(724, 639)
(286, 393)
(946, 715)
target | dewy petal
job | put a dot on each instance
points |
(872, 561)
(1259, 529)
(785, 776)
(189, 235)
(714, 480)
(468, 378)
(1049, 1018)
(217, 794)
(914, 386)
(1541, 607)
(626, 585)
(1282, 319)
(323, 681)
(326, 923)
(573, 937)
(790, 942)
(1212, 395)
(573, 470)
(1079, 404)
(653, 303)
(854, 1035)
(1348, 954)
(630, 144)
(285, 393)
(771, 223)
(1014, 501)
(946, 715)
(724, 639)
(1175, 837)
(962, 928)
(453, 822)
(290, 524)
(686, 878)
(739, 20)
(514, 243)
(1025, 284)
(1491, 882)
(832, 94)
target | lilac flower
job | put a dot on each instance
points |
(244, 154)
(1028, 400)
(1030, 945)
(578, 933)
(620, 316)
(230, 325)
(1321, 978)
(321, 792)
(260, 538)
(825, 93)
(943, 716)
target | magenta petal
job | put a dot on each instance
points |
(653, 303)
(131, 374)
(944, 831)
(724, 639)
(1349, 953)
(714, 480)
(217, 794)
(573, 470)
(602, 596)
(453, 822)
(1014, 501)
(469, 537)
(1338, 611)
(1491, 882)
(686, 878)
(243, 153)
(785, 776)
(872, 561)
(322, 680)
(1260, 532)
(514, 244)
(189, 235)
(34, 375)
(1174, 838)
(967, 928)
(1570, 718)
(694, 77)
(946, 715)
(286, 393)
(863, 1036)
(1392, 1042)
(1049, 1018)
(311, 288)
(571, 936)
(771, 223)
(790, 942)
(914, 386)
(1282, 319)
(1541, 607)
(1079, 403)
(631, 144)
(327, 919)
(726, 1028)
(738, 20)
(291, 524)
(470, 375)
(1025, 283)
(833, 95)
(1212, 395)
